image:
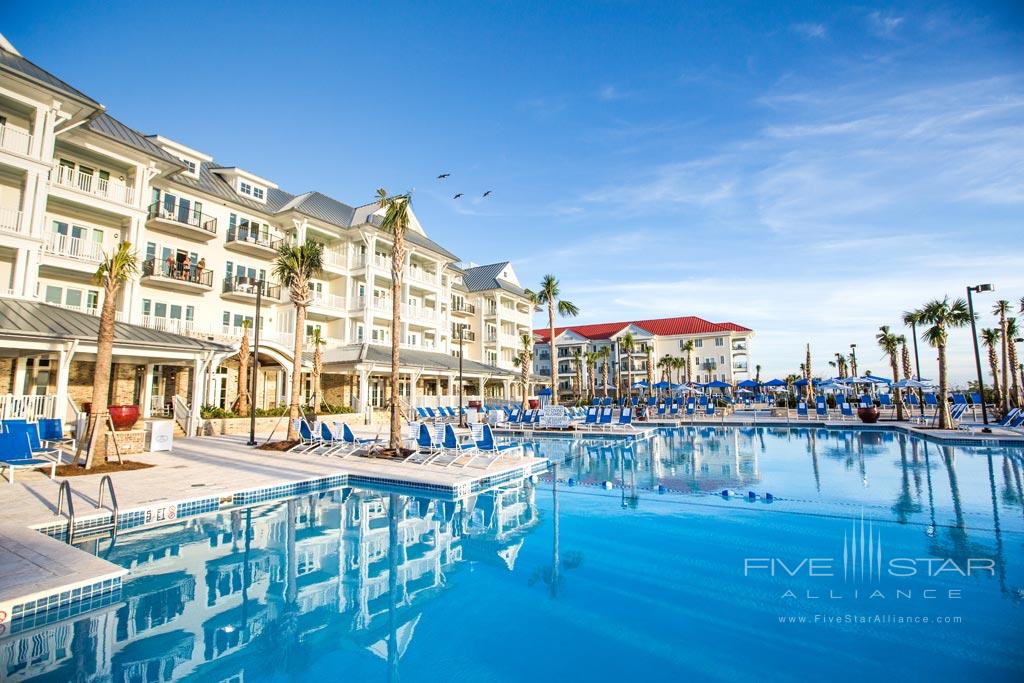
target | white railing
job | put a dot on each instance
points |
(382, 304)
(73, 247)
(10, 220)
(358, 260)
(27, 406)
(182, 413)
(175, 325)
(508, 339)
(335, 257)
(381, 262)
(359, 303)
(17, 140)
(158, 406)
(420, 275)
(422, 345)
(94, 185)
(418, 313)
(328, 300)
(119, 316)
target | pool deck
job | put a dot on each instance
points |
(42, 575)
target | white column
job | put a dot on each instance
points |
(64, 357)
(364, 392)
(482, 382)
(414, 378)
(197, 396)
(147, 392)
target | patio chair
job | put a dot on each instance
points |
(51, 431)
(451, 450)
(709, 409)
(308, 440)
(31, 430)
(801, 409)
(626, 418)
(821, 407)
(350, 439)
(16, 453)
(427, 447)
(846, 410)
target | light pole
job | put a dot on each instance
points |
(255, 363)
(977, 353)
(462, 415)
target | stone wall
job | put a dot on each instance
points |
(7, 376)
(81, 379)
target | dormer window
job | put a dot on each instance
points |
(190, 165)
(254, 191)
(246, 188)
(257, 192)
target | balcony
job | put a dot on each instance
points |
(467, 335)
(325, 305)
(382, 262)
(16, 140)
(463, 308)
(418, 313)
(244, 241)
(335, 261)
(381, 304)
(175, 325)
(242, 288)
(156, 273)
(739, 346)
(10, 220)
(94, 186)
(73, 254)
(422, 345)
(421, 276)
(181, 220)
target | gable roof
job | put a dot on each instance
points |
(689, 324)
(15, 63)
(482, 278)
(109, 127)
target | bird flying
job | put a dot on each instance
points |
(443, 176)
(457, 196)
(487, 193)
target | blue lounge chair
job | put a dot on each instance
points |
(596, 402)
(487, 444)
(31, 430)
(931, 400)
(308, 439)
(422, 413)
(591, 418)
(51, 432)
(605, 418)
(350, 439)
(673, 409)
(661, 410)
(913, 400)
(451, 450)
(885, 400)
(626, 418)
(821, 407)
(709, 410)
(866, 401)
(959, 399)
(16, 453)
(846, 410)
(691, 408)
(427, 447)
(975, 398)
(801, 409)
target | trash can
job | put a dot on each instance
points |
(159, 435)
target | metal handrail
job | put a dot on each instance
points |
(66, 486)
(113, 500)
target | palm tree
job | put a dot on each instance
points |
(523, 361)
(688, 347)
(1012, 333)
(590, 362)
(396, 221)
(294, 267)
(757, 377)
(853, 365)
(318, 368)
(809, 389)
(605, 353)
(243, 370)
(650, 368)
(627, 346)
(905, 357)
(114, 270)
(943, 315)
(549, 294)
(577, 360)
(990, 338)
(912, 319)
(890, 344)
(840, 365)
(1001, 308)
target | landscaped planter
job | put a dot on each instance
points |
(868, 415)
(124, 417)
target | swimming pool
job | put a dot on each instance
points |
(637, 568)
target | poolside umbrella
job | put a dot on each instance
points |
(775, 383)
(642, 384)
(802, 382)
(914, 384)
(661, 385)
(748, 384)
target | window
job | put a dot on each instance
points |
(698, 343)
(257, 192)
(190, 165)
(721, 359)
(719, 341)
(245, 188)
(53, 295)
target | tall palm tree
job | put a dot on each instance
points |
(1002, 308)
(943, 315)
(890, 344)
(757, 377)
(1012, 332)
(318, 369)
(523, 360)
(650, 368)
(396, 221)
(294, 267)
(592, 358)
(688, 347)
(679, 364)
(549, 294)
(840, 365)
(627, 346)
(905, 357)
(577, 361)
(990, 338)
(912, 319)
(114, 270)
(809, 389)
(605, 353)
(243, 371)
(853, 365)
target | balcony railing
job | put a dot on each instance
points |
(10, 220)
(15, 139)
(467, 335)
(241, 284)
(73, 247)
(89, 310)
(175, 325)
(463, 307)
(335, 257)
(739, 346)
(358, 260)
(175, 271)
(383, 262)
(418, 313)
(382, 304)
(327, 300)
(240, 234)
(420, 275)
(185, 215)
(94, 185)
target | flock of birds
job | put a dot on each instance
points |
(444, 176)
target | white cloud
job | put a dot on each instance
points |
(810, 30)
(609, 93)
(884, 25)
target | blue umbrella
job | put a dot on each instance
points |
(642, 384)
(802, 382)
(717, 384)
(775, 383)
(748, 384)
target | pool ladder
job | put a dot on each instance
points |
(106, 484)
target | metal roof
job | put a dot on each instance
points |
(17, 64)
(107, 126)
(428, 360)
(36, 319)
(482, 278)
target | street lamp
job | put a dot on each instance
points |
(977, 353)
(462, 414)
(255, 363)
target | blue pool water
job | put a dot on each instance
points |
(880, 557)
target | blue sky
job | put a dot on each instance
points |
(810, 170)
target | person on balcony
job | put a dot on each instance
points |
(200, 267)
(186, 268)
(171, 266)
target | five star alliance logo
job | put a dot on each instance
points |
(862, 552)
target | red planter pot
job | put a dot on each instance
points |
(534, 404)
(868, 415)
(124, 417)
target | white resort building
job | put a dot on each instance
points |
(721, 351)
(74, 182)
